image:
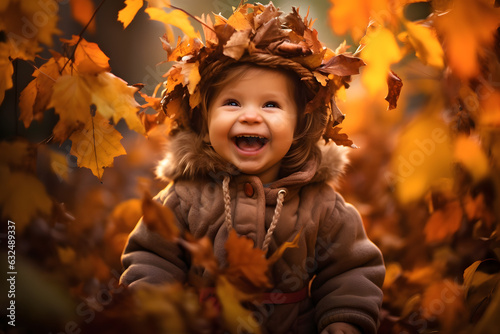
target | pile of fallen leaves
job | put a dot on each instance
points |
(425, 175)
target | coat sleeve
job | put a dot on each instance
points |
(350, 271)
(148, 257)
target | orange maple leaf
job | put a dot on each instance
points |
(6, 70)
(36, 96)
(82, 11)
(444, 222)
(247, 265)
(468, 28)
(88, 56)
(353, 15)
(159, 218)
(202, 252)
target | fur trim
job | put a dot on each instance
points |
(188, 156)
(334, 161)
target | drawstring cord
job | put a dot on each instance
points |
(276, 215)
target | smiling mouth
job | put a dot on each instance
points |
(250, 143)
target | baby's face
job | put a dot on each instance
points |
(251, 122)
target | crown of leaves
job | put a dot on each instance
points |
(252, 33)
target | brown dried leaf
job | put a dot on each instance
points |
(268, 33)
(312, 41)
(267, 14)
(294, 22)
(394, 84)
(202, 252)
(223, 32)
(237, 44)
(342, 65)
(332, 133)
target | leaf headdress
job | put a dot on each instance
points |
(261, 35)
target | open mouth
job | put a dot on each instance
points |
(249, 142)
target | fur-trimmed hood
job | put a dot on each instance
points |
(187, 157)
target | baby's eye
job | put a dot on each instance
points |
(231, 103)
(271, 104)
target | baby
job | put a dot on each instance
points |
(248, 157)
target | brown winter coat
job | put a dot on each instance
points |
(333, 247)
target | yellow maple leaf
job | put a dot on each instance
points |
(427, 47)
(21, 22)
(59, 165)
(96, 145)
(114, 99)
(289, 244)
(470, 154)
(353, 15)
(88, 56)
(6, 70)
(236, 317)
(71, 100)
(23, 197)
(74, 96)
(176, 18)
(380, 50)
(127, 14)
(422, 157)
(239, 21)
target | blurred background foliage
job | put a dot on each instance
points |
(425, 176)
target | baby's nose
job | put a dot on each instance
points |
(250, 115)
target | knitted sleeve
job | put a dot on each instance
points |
(350, 271)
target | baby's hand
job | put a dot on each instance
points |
(340, 328)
